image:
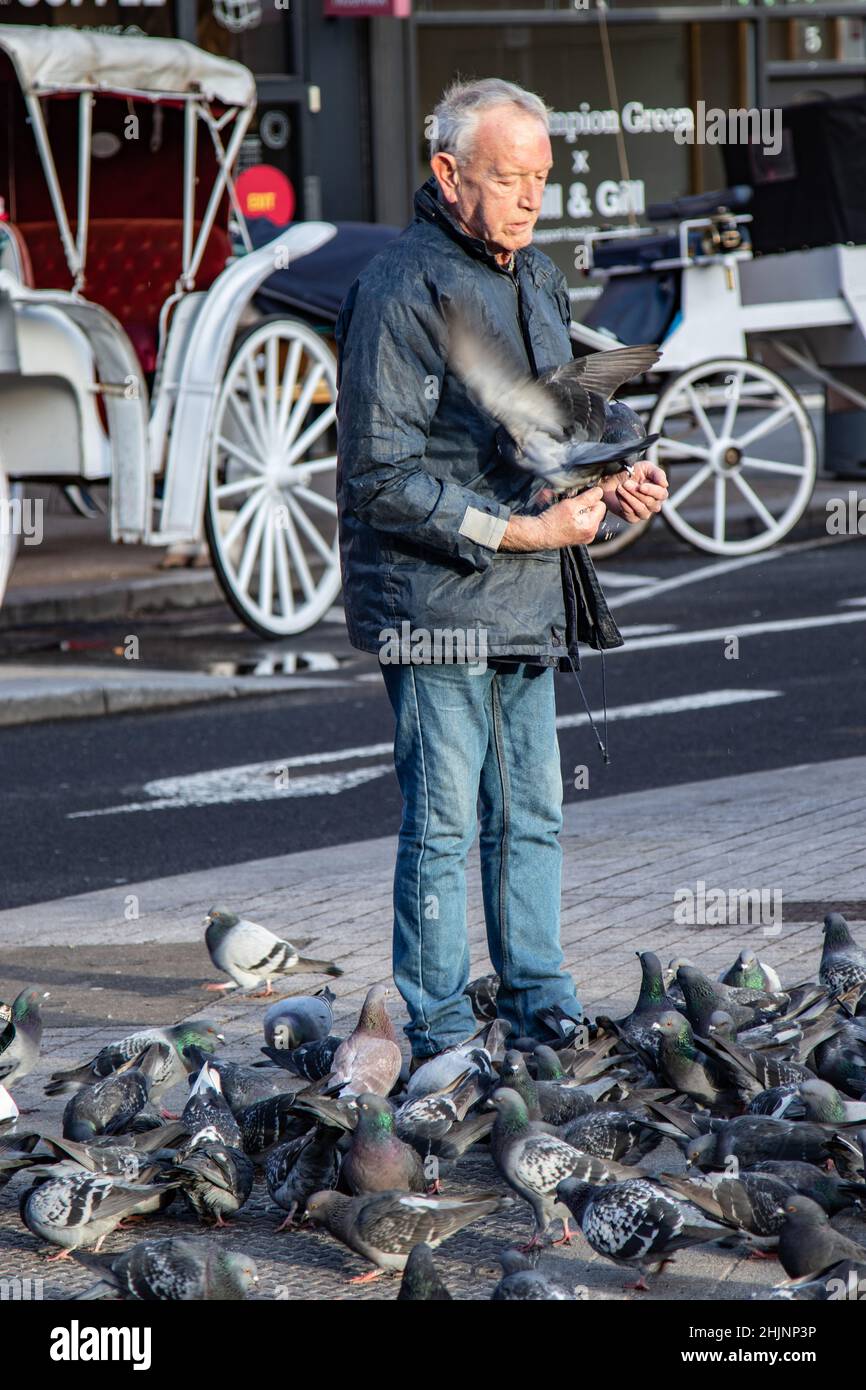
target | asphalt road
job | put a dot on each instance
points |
(80, 809)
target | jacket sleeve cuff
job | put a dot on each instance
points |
(483, 528)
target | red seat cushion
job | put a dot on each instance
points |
(132, 268)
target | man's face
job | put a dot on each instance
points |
(496, 193)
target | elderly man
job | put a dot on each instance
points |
(438, 537)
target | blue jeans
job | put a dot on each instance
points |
(467, 743)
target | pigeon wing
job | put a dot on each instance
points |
(605, 372)
(254, 950)
(518, 402)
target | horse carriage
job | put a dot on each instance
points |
(137, 346)
(735, 436)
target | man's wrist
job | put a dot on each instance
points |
(524, 533)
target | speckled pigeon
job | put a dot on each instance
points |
(385, 1226)
(216, 1178)
(297, 1169)
(249, 954)
(312, 1060)
(636, 1223)
(532, 1162)
(843, 962)
(521, 1282)
(82, 1208)
(112, 1057)
(269, 1122)
(178, 1269)
(110, 1106)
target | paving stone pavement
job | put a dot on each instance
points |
(796, 831)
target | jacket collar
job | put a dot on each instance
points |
(430, 208)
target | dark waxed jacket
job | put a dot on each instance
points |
(423, 492)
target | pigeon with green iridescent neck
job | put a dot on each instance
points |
(843, 962)
(652, 1001)
(112, 1057)
(377, 1160)
(636, 1223)
(421, 1283)
(556, 1103)
(824, 1105)
(178, 1269)
(682, 1066)
(383, 1227)
(19, 1058)
(531, 1161)
(747, 1007)
(249, 954)
(297, 1169)
(747, 972)
(808, 1243)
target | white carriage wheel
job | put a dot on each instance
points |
(703, 418)
(271, 517)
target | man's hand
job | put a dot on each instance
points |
(638, 497)
(574, 521)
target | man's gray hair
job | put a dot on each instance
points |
(456, 116)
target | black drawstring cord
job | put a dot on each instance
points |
(601, 745)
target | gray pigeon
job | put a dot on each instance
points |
(178, 1269)
(249, 954)
(242, 1086)
(808, 1243)
(312, 1061)
(216, 1179)
(753, 1138)
(369, 1059)
(636, 1223)
(297, 1169)
(298, 1019)
(532, 1162)
(111, 1105)
(752, 1200)
(559, 426)
(747, 972)
(843, 962)
(271, 1121)
(522, 1283)
(198, 1033)
(681, 1065)
(653, 1001)
(823, 1104)
(845, 1280)
(552, 1102)
(747, 1007)
(82, 1208)
(207, 1108)
(22, 1054)
(421, 1283)
(378, 1160)
(384, 1226)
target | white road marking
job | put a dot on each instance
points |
(665, 586)
(734, 629)
(854, 602)
(615, 579)
(262, 782)
(680, 704)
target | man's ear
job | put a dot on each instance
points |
(444, 167)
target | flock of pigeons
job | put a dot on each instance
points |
(760, 1087)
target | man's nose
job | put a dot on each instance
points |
(530, 197)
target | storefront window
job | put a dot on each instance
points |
(257, 33)
(661, 70)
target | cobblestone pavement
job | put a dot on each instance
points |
(798, 832)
